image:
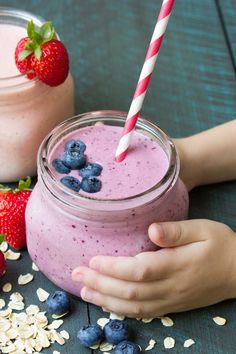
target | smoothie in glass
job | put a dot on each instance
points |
(66, 228)
(29, 109)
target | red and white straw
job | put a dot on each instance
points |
(144, 79)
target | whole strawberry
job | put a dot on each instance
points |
(12, 213)
(2, 258)
(42, 55)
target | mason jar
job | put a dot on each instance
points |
(66, 229)
(29, 109)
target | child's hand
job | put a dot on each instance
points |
(196, 268)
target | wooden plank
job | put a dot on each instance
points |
(227, 10)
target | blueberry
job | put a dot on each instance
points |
(91, 169)
(91, 184)
(116, 331)
(71, 182)
(126, 347)
(60, 166)
(74, 159)
(58, 303)
(75, 145)
(90, 335)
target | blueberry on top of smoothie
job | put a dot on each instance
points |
(58, 303)
(126, 347)
(75, 145)
(91, 169)
(90, 335)
(60, 167)
(116, 331)
(74, 160)
(71, 183)
(91, 184)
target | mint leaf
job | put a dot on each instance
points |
(24, 54)
(24, 184)
(30, 29)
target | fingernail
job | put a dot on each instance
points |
(77, 276)
(94, 264)
(86, 294)
(105, 310)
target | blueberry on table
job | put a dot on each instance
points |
(75, 145)
(60, 167)
(126, 347)
(58, 303)
(71, 183)
(116, 331)
(90, 335)
(74, 160)
(91, 184)
(91, 169)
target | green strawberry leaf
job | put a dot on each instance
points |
(24, 54)
(38, 52)
(47, 31)
(37, 38)
(24, 184)
(2, 237)
(30, 29)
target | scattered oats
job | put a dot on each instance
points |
(7, 287)
(32, 310)
(2, 304)
(114, 316)
(169, 342)
(151, 344)
(4, 246)
(167, 321)
(12, 333)
(55, 324)
(42, 294)
(94, 347)
(65, 334)
(16, 306)
(219, 320)
(58, 338)
(34, 267)
(55, 352)
(25, 331)
(188, 343)
(3, 339)
(55, 317)
(25, 279)
(6, 313)
(9, 349)
(147, 320)
(104, 346)
(102, 321)
(15, 297)
(12, 256)
(4, 324)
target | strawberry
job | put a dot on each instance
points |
(43, 55)
(12, 213)
(24, 65)
(2, 258)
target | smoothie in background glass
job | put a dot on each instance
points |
(66, 228)
(29, 109)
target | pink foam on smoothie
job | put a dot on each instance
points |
(145, 165)
(9, 37)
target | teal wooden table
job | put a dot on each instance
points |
(193, 88)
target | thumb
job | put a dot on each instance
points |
(177, 233)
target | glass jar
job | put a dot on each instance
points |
(65, 229)
(29, 110)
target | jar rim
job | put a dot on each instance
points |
(62, 193)
(17, 81)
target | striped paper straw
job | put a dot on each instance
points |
(144, 79)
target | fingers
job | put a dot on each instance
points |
(143, 267)
(120, 288)
(128, 308)
(178, 233)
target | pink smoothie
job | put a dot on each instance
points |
(145, 165)
(61, 236)
(28, 109)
